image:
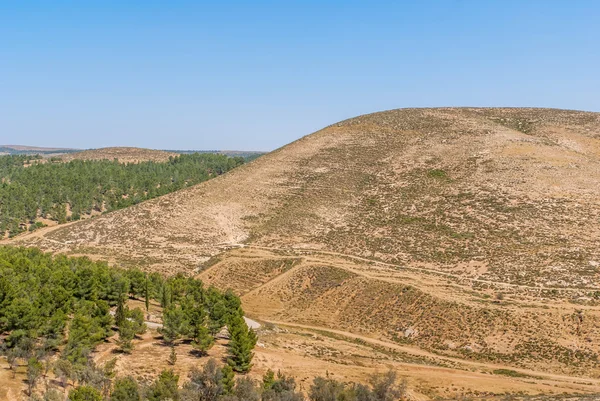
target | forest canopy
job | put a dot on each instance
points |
(44, 297)
(32, 188)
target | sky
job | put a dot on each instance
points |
(255, 75)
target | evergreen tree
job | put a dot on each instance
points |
(165, 387)
(126, 334)
(203, 340)
(136, 317)
(228, 380)
(121, 311)
(242, 341)
(41, 295)
(125, 389)
(172, 356)
(147, 295)
(174, 324)
(85, 393)
(268, 380)
(284, 388)
(34, 371)
(48, 190)
(165, 296)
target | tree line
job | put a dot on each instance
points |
(218, 383)
(54, 311)
(31, 188)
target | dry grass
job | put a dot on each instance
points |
(403, 225)
(122, 154)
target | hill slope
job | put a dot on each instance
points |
(33, 150)
(496, 188)
(473, 233)
(122, 154)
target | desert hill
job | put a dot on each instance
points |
(480, 192)
(469, 234)
(122, 154)
(33, 150)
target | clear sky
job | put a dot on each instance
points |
(255, 75)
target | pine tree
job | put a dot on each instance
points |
(126, 334)
(136, 317)
(252, 337)
(241, 343)
(121, 311)
(268, 380)
(125, 389)
(165, 387)
(172, 357)
(174, 324)
(203, 340)
(85, 393)
(146, 295)
(165, 296)
(228, 379)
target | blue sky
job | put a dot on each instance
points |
(257, 75)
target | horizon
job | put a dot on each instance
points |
(256, 77)
(46, 148)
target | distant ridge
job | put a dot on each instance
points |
(123, 153)
(248, 154)
(35, 148)
(32, 150)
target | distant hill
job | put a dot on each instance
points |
(248, 155)
(31, 150)
(122, 154)
(466, 233)
(134, 155)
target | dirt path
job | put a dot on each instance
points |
(39, 233)
(253, 324)
(417, 269)
(423, 353)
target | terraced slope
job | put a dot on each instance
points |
(470, 233)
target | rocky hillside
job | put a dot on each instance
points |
(501, 194)
(460, 231)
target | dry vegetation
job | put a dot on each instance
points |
(468, 239)
(122, 154)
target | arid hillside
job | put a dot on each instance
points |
(507, 195)
(462, 234)
(122, 154)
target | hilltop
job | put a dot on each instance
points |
(465, 234)
(367, 186)
(122, 154)
(33, 150)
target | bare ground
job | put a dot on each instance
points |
(468, 234)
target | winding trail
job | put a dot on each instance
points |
(253, 324)
(427, 354)
(412, 268)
